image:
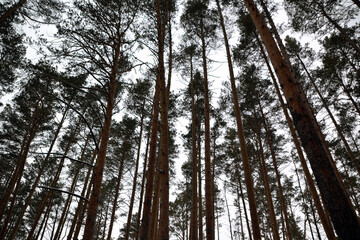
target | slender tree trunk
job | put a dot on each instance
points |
(265, 179)
(324, 220)
(128, 224)
(53, 184)
(210, 228)
(240, 214)
(81, 201)
(237, 172)
(201, 233)
(337, 127)
(11, 10)
(142, 184)
(194, 201)
(89, 231)
(83, 209)
(21, 159)
(104, 227)
(338, 27)
(241, 136)
(155, 207)
(228, 212)
(335, 198)
(277, 173)
(69, 198)
(117, 189)
(44, 222)
(145, 222)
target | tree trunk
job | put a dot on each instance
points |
(324, 220)
(81, 201)
(241, 136)
(89, 231)
(265, 179)
(237, 172)
(11, 10)
(39, 174)
(68, 200)
(117, 189)
(128, 224)
(277, 173)
(209, 203)
(194, 201)
(338, 27)
(337, 127)
(162, 19)
(342, 213)
(201, 233)
(142, 184)
(228, 212)
(145, 222)
(53, 184)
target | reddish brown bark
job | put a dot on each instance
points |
(342, 214)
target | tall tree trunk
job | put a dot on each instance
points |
(72, 188)
(337, 127)
(209, 203)
(145, 222)
(265, 179)
(132, 199)
(241, 136)
(277, 173)
(143, 183)
(21, 159)
(53, 184)
(228, 212)
(201, 233)
(39, 174)
(162, 13)
(324, 219)
(336, 201)
(81, 201)
(337, 26)
(117, 189)
(89, 230)
(194, 200)
(237, 172)
(11, 10)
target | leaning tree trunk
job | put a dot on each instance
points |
(323, 217)
(39, 174)
(11, 10)
(336, 201)
(241, 136)
(53, 184)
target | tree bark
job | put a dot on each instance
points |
(117, 189)
(11, 10)
(324, 219)
(194, 200)
(209, 203)
(342, 213)
(53, 184)
(128, 224)
(241, 136)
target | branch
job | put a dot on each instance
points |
(63, 191)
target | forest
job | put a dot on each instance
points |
(180, 119)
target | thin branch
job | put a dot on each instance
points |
(63, 191)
